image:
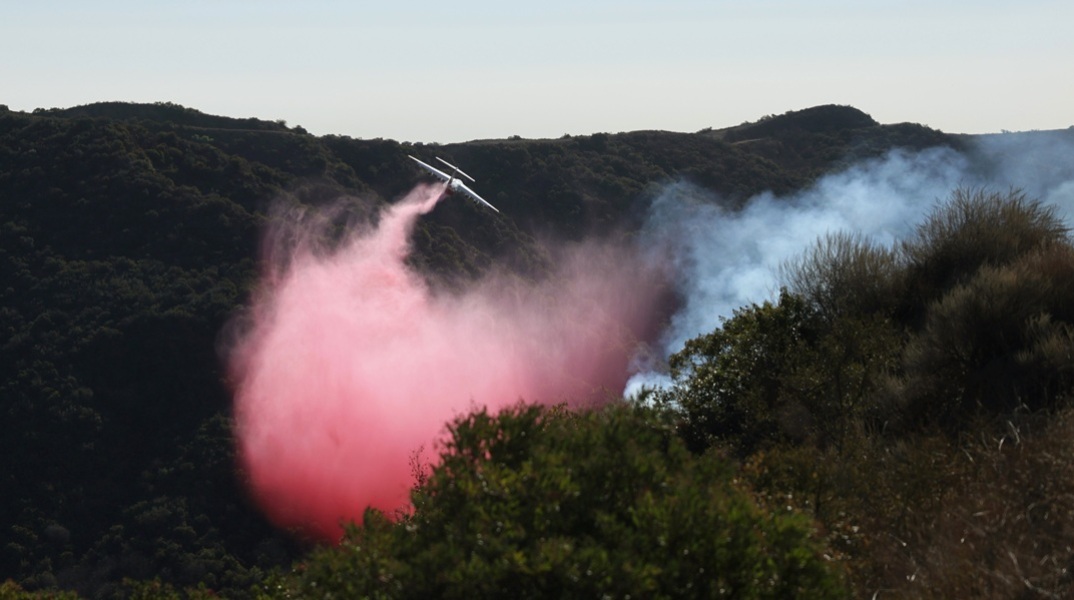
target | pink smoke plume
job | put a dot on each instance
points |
(351, 363)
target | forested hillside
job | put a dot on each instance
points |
(891, 396)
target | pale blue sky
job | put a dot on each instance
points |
(458, 70)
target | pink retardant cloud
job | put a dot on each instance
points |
(351, 364)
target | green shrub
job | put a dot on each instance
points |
(537, 503)
(974, 228)
(780, 372)
(844, 274)
(998, 342)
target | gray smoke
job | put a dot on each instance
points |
(723, 259)
(1039, 163)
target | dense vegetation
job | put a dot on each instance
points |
(537, 503)
(914, 399)
(896, 421)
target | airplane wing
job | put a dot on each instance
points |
(460, 186)
(455, 183)
(439, 174)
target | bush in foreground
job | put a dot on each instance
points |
(545, 503)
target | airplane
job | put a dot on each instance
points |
(454, 184)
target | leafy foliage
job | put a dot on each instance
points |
(910, 368)
(844, 274)
(9, 590)
(536, 503)
(973, 229)
(1000, 341)
(776, 373)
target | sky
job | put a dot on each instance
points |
(459, 70)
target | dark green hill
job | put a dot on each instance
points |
(162, 112)
(129, 236)
(815, 140)
(829, 118)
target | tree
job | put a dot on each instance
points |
(973, 229)
(540, 503)
(731, 384)
(845, 274)
(999, 342)
(780, 373)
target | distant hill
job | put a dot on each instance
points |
(828, 118)
(163, 112)
(129, 236)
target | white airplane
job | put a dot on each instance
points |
(454, 184)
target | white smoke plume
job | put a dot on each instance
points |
(724, 259)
